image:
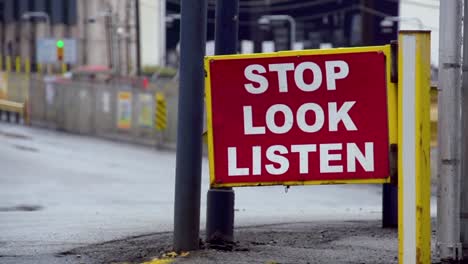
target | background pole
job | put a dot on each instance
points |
(449, 127)
(464, 161)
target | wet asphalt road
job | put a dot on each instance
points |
(60, 191)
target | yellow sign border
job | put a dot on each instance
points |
(391, 106)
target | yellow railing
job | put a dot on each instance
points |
(19, 109)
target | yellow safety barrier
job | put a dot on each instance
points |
(19, 109)
(161, 112)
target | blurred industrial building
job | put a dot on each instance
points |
(125, 34)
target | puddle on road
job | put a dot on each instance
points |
(22, 208)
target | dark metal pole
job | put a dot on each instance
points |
(390, 190)
(138, 39)
(226, 27)
(190, 125)
(220, 202)
(390, 206)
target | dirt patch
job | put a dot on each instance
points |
(134, 249)
(312, 242)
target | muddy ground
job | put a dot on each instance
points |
(311, 242)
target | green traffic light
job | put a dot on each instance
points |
(59, 43)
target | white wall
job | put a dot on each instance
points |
(152, 31)
(96, 40)
(428, 12)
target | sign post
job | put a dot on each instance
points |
(302, 117)
(220, 202)
(414, 171)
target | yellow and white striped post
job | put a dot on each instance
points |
(414, 174)
(161, 112)
(18, 64)
(25, 80)
(8, 63)
(27, 66)
(39, 69)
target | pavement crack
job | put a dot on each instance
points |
(22, 208)
(14, 135)
(25, 148)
